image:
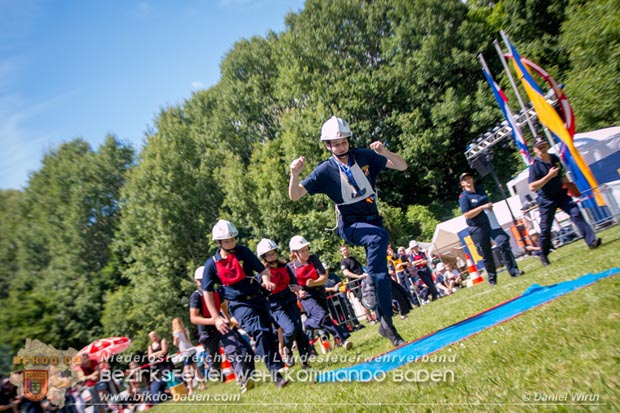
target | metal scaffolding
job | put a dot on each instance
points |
(498, 135)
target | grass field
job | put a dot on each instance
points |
(561, 356)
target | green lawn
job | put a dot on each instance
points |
(543, 360)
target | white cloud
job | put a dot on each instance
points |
(197, 84)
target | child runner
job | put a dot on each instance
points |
(283, 302)
(237, 352)
(233, 267)
(311, 276)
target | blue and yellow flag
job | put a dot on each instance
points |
(550, 118)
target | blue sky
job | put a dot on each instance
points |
(86, 68)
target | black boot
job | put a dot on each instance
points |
(389, 332)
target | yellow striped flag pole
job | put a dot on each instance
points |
(550, 118)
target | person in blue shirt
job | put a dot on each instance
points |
(283, 303)
(312, 276)
(547, 181)
(233, 267)
(236, 350)
(478, 213)
(348, 178)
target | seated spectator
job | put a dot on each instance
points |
(135, 397)
(534, 237)
(421, 290)
(89, 375)
(107, 386)
(453, 277)
(440, 281)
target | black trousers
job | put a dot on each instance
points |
(481, 236)
(427, 278)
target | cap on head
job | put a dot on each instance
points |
(335, 128)
(540, 141)
(264, 246)
(198, 272)
(464, 175)
(412, 244)
(297, 242)
(440, 266)
(224, 230)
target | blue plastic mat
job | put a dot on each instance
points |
(533, 297)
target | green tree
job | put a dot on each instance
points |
(9, 228)
(248, 111)
(591, 35)
(170, 202)
(423, 220)
(70, 213)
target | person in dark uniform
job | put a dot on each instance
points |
(237, 351)
(348, 178)
(478, 213)
(233, 268)
(312, 276)
(283, 303)
(547, 181)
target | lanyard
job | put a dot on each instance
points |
(347, 171)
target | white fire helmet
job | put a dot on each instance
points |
(264, 246)
(224, 230)
(198, 273)
(335, 128)
(297, 242)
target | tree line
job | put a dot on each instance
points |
(104, 241)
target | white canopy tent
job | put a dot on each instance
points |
(446, 239)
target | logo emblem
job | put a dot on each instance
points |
(35, 384)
